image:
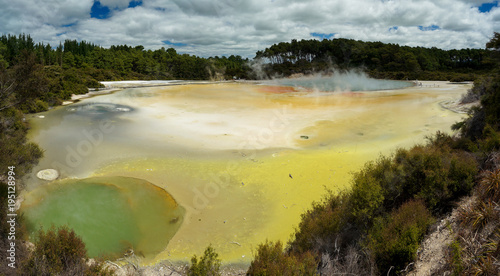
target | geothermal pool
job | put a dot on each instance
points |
(111, 214)
(241, 161)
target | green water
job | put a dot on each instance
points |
(110, 214)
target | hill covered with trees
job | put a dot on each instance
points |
(380, 60)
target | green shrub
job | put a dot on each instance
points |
(455, 258)
(438, 175)
(366, 197)
(14, 150)
(491, 139)
(208, 264)
(35, 106)
(394, 240)
(271, 260)
(320, 226)
(491, 101)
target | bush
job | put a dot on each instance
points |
(394, 240)
(271, 260)
(477, 214)
(436, 175)
(487, 89)
(35, 106)
(208, 264)
(60, 252)
(14, 150)
(454, 258)
(491, 139)
(366, 197)
(320, 226)
(491, 102)
(354, 260)
(489, 186)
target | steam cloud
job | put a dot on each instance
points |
(342, 82)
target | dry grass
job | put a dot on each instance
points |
(354, 261)
(489, 187)
(476, 249)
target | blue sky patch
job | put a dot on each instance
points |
(135, 3)
(429, 28)
(99, 11)
(69, 25)
(59, 34)
(486, 7)
(169, 43)
(395, 28)
(323, 36)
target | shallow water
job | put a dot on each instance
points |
(244, 160)
(111, 214)
(339, 82)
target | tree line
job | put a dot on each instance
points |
(73, 66)
(122, 61)
(383, 60)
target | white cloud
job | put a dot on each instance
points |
(29, 15)
(225, 27)
(113, 4)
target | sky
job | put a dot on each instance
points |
(242, 27)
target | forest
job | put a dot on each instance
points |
(380, 60)
(373, 229)
(72, 67)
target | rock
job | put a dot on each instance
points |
(48, 174)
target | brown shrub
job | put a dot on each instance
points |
(354, 260)
(271, 260)
(489, 187)
(60, 252)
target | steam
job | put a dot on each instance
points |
(342, 82)
(257, 66)
(333, 81)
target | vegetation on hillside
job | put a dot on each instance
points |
(380, 60)
(476, 246)
(123, 62)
